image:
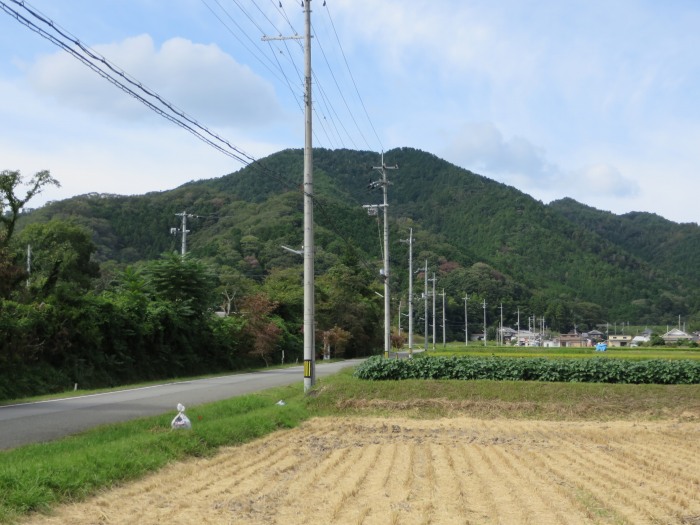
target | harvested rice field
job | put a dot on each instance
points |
(408, 471)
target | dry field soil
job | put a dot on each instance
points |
(406, 471)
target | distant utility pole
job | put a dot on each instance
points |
(410, 291)
(466, 320)
(484, 322)
(309, 247)
(500, 337)
(434, 318)
(183, 229)
(425, 299)
(400, 306)
(444, 344)
(29, 263)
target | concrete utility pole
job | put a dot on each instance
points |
(444, 343)
(410, 291)
(29, 263)
(500, 336)
(309, 248)
(466, 320)
(400, 306)
(484, 322)
(434, 318)
(425, 299)
(183, 230)
(387, 299)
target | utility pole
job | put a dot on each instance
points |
(410, 292)
(183, 230)
(387, 304)
(29, 263)
(444, 344)
(400, 306)
(425, 299)
(434, 318)
(309, 248)
(484, 322)
(500, 336)
(466, 320)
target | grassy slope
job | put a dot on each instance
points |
(37, 476)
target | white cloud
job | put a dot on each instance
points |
(516, 161)
(482, 148)
(201, 80)
(604, 179)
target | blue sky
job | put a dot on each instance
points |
(594, 100)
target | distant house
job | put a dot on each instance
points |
(508, 334)
(527, 338)
(596, 335)
(640, 339)
(573, 339)
(619, 340)
(675, 335)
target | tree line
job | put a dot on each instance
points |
(64, 322)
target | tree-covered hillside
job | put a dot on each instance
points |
(108, 298)
(633, 267)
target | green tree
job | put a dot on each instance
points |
(183, 280)
(11, 204)
(61, 257)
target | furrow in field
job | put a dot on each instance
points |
(674, 487)
(607, 483)
(479, 498)
(450, 487)
(509, 504)
(316, 492)
(548, 505)
(590, 495)
(372, 502)
(637, 486)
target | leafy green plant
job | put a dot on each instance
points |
(593, 370)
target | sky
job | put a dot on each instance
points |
(596, 100)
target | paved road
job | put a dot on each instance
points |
(46, 420)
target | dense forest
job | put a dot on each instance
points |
(108, 298)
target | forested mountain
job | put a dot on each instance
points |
(568, 262)
(109, 300)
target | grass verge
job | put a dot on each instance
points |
(35, 477)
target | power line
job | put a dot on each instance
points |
(357, 91)
(117, 77)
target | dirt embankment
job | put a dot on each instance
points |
(405, 471)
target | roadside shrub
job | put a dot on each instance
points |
(594, 370)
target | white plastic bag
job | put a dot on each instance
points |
(181, 420)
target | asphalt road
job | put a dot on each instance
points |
(47, 420)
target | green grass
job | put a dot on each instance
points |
(348, 396)
(36, 477)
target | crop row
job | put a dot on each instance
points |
(594, 370)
